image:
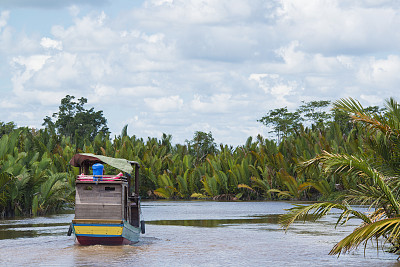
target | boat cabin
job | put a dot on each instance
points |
(106, 197)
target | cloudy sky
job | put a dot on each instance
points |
(180, 66)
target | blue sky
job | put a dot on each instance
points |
(180, 66)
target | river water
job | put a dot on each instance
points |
(190, 233)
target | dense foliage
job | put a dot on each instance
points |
(349, 155)
(370, 174)
(35, 177)
(76, 122)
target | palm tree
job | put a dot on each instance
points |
(376, 175)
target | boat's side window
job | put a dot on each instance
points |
(88, 188)
(108, 188)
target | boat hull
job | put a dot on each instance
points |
(104, 232)
(109, 241)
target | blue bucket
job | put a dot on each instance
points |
(97, 171)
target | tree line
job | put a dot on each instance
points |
(35, 177)
(343, 156)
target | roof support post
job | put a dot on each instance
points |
(137, 179)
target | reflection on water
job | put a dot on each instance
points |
(13, 230)
(190, 233)
(273, 218)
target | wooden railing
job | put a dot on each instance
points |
(103, 178)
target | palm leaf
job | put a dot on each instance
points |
(245, 186)
(388, 228)
(318, 210)
(373, 122)
(348, 165)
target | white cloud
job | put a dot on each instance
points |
(198, 12)
(49, 4)
(381, 72)
(89, 34)
(47, 98)
(371, 100)
(164, 104)
(276, 87)
(338, 26)
(102, 93)
(140, 91)
(31, 63)
(218, 103)
(346, 61)
(7, 104)
(60, 70)
(292, 57)
(4, 15)
(50, 43)
(26, 115)
(25, 68)
(210, 65)
(74, 10)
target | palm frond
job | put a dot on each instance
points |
(388, 228)
(365, 195)
(318, 210)
(349, 164)
(349, 105)
(372, 122)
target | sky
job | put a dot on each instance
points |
(180, 66)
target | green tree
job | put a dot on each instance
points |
(201, 145)
(342, 119)
(315, 112)
(6, 128)
(73, 120)
(282, 121)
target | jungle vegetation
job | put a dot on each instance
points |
(35, 177)
(345, 155)
(369, 173)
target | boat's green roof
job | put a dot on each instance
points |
(120, 164)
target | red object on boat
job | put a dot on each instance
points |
(105, 178)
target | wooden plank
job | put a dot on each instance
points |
(98, 211)
(96, 221)
(99, 194)
(110, 199)
(97, 202)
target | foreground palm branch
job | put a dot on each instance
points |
(373, 187)
(367, 174)
(373, 170)
(316, 211)
(388, 124)
(389, 229)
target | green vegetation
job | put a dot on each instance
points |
(349, 154)
(35, 176)
(74, 121)
(369, 172)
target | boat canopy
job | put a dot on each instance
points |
(81, 159)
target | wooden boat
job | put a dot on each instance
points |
(107, 212)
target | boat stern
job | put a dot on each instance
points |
(103, 232)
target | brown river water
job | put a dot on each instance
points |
(191, 233)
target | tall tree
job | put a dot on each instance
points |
(73, 120)
(315, 112)
(6, 128)
(282, 121)
(201, 145)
